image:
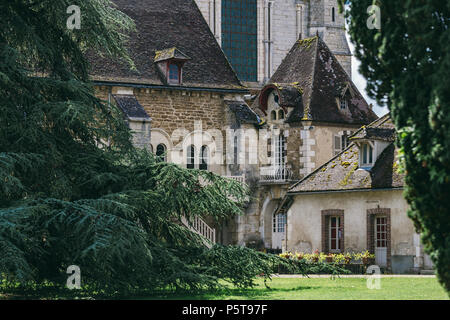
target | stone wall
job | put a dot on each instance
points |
(304, 221)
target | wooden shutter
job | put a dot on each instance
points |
(337, 144)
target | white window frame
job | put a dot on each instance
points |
(378, 233)
(343, 103)
(338, 233)
(204, 157)
(368, 153)
(190, 159)
(279, 223)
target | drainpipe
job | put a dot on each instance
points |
(268, 50)
(271, 38)
(299, 21)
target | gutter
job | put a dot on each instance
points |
(340, 191)
(154, 86)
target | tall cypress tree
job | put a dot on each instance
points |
(407, 65)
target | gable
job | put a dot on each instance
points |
(313, 68)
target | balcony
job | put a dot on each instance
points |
(275, 174)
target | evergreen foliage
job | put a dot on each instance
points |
(74, 191)
(407, 65)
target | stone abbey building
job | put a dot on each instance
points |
(256, 35)
(185, 102)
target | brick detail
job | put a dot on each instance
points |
(325, 228)
(371, 215)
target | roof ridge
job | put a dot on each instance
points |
(307, 109)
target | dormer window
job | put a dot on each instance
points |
(170, 63)
(174, 74)
(366, 155)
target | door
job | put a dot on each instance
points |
(278, 230)
(380, 241)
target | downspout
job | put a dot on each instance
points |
(299, 21)
(270, 38)
(266, 41)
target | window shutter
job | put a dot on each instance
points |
(337, 144)
(341, 233)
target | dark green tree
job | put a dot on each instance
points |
(73, 189)
(407, 66)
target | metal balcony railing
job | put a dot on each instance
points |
(275, 174)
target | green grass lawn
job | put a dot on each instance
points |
(328, 289)
(392, 288)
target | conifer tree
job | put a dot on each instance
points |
(407, 65)
(73, 189)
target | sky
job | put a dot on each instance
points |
(360, 82)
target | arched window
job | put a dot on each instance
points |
(161, 152)
(273, 115)
(190, 163)
(333, 18)
(204, 158)
(281, 114)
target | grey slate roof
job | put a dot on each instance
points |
(342, 172)
(243, 113)
(384, 134)
(130, 107)
(311, 66)
(162, 25)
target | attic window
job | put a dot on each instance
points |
(174, 73)
(170, 63)
(343, 103)
(366, 155)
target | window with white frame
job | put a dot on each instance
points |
(343, 103)
(190, 163)
(204, 158)
(279, 222)
(381, 232)
(366, 155)
(335, 234)
(161, 152)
